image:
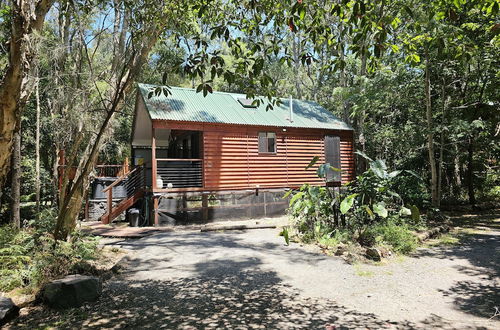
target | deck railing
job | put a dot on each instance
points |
(134, 182)
(110, 171)
(136, 179)
(180, 173)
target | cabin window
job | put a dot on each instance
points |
(267, 142)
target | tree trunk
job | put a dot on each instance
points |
(16, 181)
(470, 172)
(362, 164)
(37, 148)
(456, 172)
(445, 101)
(73, 194)
(430, 134)
(296, 65)
(27, 19)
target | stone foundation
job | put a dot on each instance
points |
(96, 208)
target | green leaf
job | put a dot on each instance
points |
(380, 209)
(393, 174)
(413, 173)
(347, 203)
(379, 168)
(415, 213)
(404, 211)
(285, 234)
(288, 193)
(365, 156)
(296, 197)
(322, 170)
(302, 13)
(313, 161)
(369, 211)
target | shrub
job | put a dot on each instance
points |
(30, 257)
(360, 209)
(399, 237)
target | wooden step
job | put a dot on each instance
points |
(109, 216)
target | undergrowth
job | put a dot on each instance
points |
(30, 257)
(367, 212)
(399, 237)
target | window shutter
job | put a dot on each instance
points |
(332, 156)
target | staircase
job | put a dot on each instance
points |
(134, 184)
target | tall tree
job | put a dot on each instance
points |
(26, 19)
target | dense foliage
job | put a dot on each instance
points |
(30, 257)
(369, 211)
(417, 81)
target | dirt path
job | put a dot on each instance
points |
(251, 279)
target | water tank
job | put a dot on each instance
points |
(99, 184)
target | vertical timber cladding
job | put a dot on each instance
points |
(232, 158)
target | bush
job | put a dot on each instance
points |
(31, 257)
(361, 210)
(399, 237)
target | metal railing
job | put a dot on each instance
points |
(180, 173)
(136, 179)
(134, 182)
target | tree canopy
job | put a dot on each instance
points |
(418, 81)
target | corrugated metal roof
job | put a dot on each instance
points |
(186, 105)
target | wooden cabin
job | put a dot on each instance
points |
(219, 156)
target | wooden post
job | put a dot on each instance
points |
(153, 161)
(110, 204)
(155, 211)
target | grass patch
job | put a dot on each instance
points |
(444, 240)
(363, 273)
(400, 237)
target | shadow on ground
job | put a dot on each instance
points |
(226, 294)
(481, 248)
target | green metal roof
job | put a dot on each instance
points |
(186, 105)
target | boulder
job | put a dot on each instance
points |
(8, 310)
(374, 254)
(72, 291)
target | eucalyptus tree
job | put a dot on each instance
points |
(25, 19)
(136, 28)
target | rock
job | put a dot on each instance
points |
(72, 291)
(23, 300)
(374, 254)
(384, 252)
(8, 310)
(341, 249)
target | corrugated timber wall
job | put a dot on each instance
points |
(232, 159)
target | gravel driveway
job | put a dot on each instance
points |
(250, 279)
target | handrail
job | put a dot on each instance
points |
(120, 179)
(179, 159)
(104, 165)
